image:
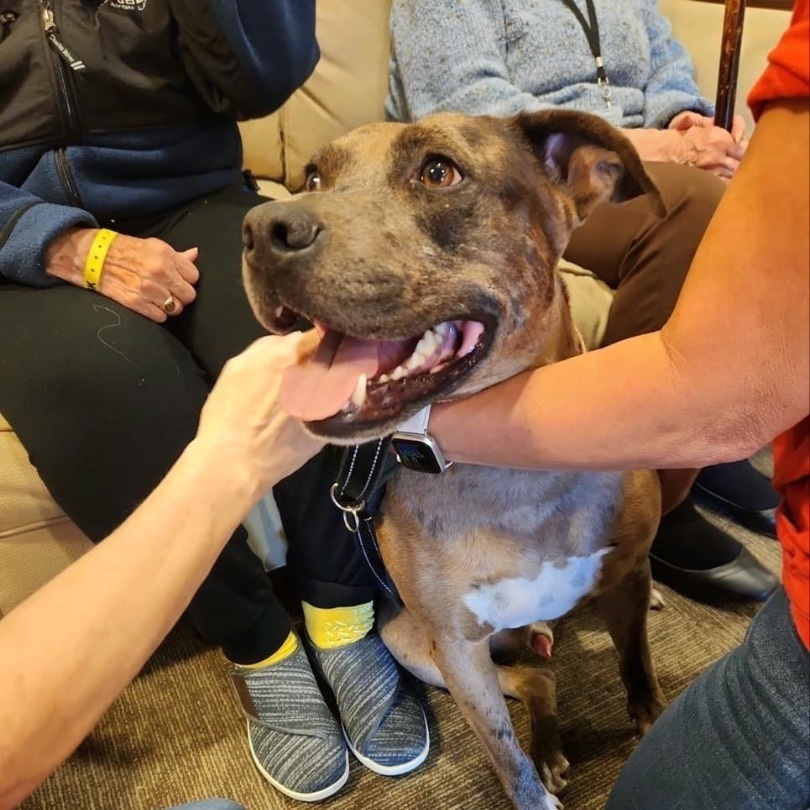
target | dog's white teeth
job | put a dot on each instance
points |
(427, 343)
(279, 311)
(434, 348)
(416, 360)
(358, 396)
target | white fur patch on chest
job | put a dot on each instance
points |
(552, 593)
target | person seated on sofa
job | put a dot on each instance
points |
(121, 207)
(95, 624)
(728, 372)
(617, 60)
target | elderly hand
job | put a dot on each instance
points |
(242, 422)
(707, 146)
(141, 274)
(687, 120)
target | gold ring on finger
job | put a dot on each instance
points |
(169, 305)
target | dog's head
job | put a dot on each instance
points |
(425, 256)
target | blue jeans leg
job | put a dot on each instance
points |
(738, 738)
(210, 804)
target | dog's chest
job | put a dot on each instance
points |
(552, 593)
(514, 547)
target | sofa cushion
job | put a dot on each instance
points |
(347, 90)
(273, 190)
(349, 87)
(262, 146)
(24, 501)
(37, 540)
(31, 558)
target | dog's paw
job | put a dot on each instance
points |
(551, 802)
(553, 772)
(646, 712)
(657, 600)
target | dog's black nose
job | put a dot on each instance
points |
(280, 229)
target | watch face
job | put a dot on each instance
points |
(418, 455)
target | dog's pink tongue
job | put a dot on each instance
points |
(320, 387)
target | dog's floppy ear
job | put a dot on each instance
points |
(589, 157)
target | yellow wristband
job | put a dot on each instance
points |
(95, 258)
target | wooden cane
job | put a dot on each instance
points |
(729, 63)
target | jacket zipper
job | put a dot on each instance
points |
(61, 59)
(63, 168)
(61, 56)
(52, 34)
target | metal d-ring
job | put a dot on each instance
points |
(351, 514)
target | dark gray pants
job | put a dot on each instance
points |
(738, 738)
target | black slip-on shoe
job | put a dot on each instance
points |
(744, 577)
(741, 493)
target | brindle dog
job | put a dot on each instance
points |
(426, 257)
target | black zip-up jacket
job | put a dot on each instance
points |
(129, 107)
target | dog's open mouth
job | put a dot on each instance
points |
(354, 381)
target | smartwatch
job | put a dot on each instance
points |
(416, 449)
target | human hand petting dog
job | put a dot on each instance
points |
(244, 445)
(147, 276)
(243, 423)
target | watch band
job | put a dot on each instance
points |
(416, 449)
(418, 423)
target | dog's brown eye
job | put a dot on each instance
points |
(313, 182)
(439, 173)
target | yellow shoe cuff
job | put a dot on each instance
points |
(336, 627)
(289, 646)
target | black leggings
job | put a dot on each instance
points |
(105, 400)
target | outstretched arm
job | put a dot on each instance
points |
(726, 374)
(94, 626)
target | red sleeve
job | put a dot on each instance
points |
(788, 71)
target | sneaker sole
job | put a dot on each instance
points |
(317, 796)
(391, 770)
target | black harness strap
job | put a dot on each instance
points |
(358, 493)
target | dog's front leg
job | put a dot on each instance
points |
(472, 680)
(625, 608)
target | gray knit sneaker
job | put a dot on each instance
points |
(383, 721)
(294, 739)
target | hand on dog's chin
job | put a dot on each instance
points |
(307, 353)
(322, 385)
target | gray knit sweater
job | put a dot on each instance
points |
(500, 57)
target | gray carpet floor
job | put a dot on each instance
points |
(176, 734)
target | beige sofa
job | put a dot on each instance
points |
(348, 87)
